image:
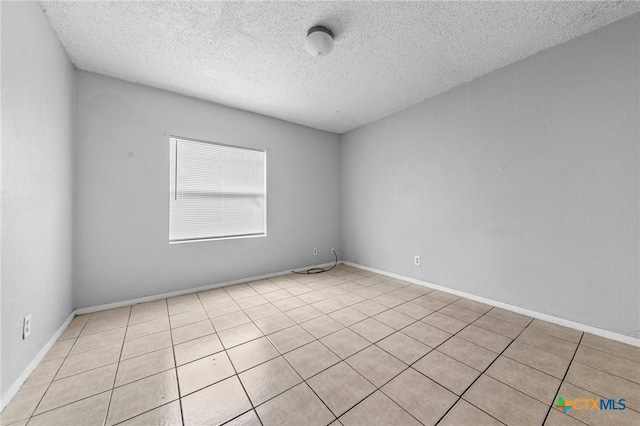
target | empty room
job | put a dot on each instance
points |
(320, 213)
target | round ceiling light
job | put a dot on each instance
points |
(319, 41)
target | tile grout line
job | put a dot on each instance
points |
(563, 380)
(115, 377)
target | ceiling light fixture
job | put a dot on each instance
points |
(319, 41)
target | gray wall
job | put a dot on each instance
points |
(38, 90)
(521, 186)
(123, 188)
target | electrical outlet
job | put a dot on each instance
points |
(315, 251)
(416, 260)
(26, 327)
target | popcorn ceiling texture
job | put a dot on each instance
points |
(251, 55)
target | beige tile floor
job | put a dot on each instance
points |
(345, 347)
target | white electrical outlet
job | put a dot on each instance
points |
(416, 260)
(315, 251)
(26, 327)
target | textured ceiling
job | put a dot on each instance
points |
(251, 55)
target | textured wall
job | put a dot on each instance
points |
(38, 90)
(521, 186)
(123, 248)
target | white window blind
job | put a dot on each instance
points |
(216, 191)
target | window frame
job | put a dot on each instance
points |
(224, 237)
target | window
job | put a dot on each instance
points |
(216, 191)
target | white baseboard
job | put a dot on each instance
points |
(15, 387)
(151, 298)
(560, 321)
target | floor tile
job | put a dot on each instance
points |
(238, 335)
(146, 328)
(247, 419)
(544, 361)
(85, 361)
(181, 308)
(44, 373)
(485, 338)
(148, 315)
(556, 330)
(340, 387)
(557, 418)
(427, 334)
(89, 411)
(262, 311)
(60, 349)
(611, 364)
(372, 330)
(378, 410)
(303, 313)
(297, 406)
(215, 404)
(394, 319)
(414, 311)
(144, 366)
(311, 359)
(204, 372)
(499, 400)
(548, 343)
(469, 353)
(464, 413)
(348, 316)
(274, 323)
(252, 353)
(197, 348)
(349, 299)
(321, 326)
(447, 372)
(345, 342)
(23, 404)
(328, 305)
(509, 316)
(104, 325)
(191, 331)
(189, 317)
(98, 340)
(622, 350)
(527, 380)
(369, 307)
(279, 294)
(227, 321)
(604, 384)
(445, 322)
(268, 380)
(430, 303)
(403, 347)
(473, 305)
(74, 388)
(460, 313)
(165, 415)
(505, 328)
(288, 304)
(444, 296)
(409, 389)
(290, 338)
(146, 344)
(376, 365)
(141, 396)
